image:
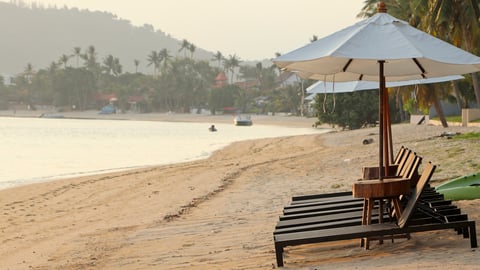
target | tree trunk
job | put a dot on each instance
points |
(399, 104)
(302, 100)
(439, 109)
(458, 96)
(476, 87)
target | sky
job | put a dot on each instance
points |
(249, 29)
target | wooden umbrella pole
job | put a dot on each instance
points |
(389, 129)
(386, 134)
(381, 120)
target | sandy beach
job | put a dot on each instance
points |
(219, 213)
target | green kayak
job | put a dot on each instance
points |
(461, 188)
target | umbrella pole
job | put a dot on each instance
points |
(389, 126)
(386, 135)
(381, 120)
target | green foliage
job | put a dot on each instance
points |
(73, 87)
(336, 186)
(348, 110)
(468, 136)
(223, 97)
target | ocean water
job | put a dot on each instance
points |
(39, 149)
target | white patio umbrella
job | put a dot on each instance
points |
(322, 87)
(351, 86)
(381, 48)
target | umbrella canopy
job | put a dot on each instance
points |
(353, 53)
(343, 87)
(381, 48)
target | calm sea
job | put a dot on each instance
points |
(39, 149)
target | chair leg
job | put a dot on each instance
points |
(279, 254)
(473, 236)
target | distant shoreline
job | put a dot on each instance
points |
(277, 120)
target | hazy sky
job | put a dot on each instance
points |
(251, 29)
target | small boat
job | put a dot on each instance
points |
(212, 128)
(108, 109)
(242, 120)
(51, 115)
(462, 188)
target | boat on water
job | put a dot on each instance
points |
(243, 120)
(462, 188)
(51, 115)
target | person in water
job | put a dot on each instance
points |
(212, 128)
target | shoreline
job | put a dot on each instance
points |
(200, 214)
(281, 121)
(278, 120)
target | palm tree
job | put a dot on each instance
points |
(64, 60)
(90, 58)
(413, 12)
(136, 62)
(184, 46)
(192, 49)
(109, 64)
(154, 59)
(219, 58)
(52, 67)
(29, 72)
(456, 21)
(165, 58)
(77, 52)
(117, 67)
(230, 64)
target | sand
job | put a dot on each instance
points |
(220, 213)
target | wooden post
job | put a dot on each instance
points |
(381, 121)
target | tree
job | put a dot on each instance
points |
(348, 110)
(112, 65)
(29, 71)
(77, 52)
(413, 12)
(73, 87)
(53, 67)
(219, 58)
(109, 64)
(230, 64)
(192, 49)
(64, 60)
(184, 46)
(154, 60)
(456, 21)
(223, 97)
(136, 62)
(91, 62)
(164, 56)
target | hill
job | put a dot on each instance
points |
(39, 35)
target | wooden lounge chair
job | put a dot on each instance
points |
(403, 225)
(345, 200)
(331, 211)
(401, 165)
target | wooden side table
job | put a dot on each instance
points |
(381, 190)
(371, 190)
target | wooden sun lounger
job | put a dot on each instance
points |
(330, 210)
(315, 197)
(406, 164)
(404, 225)
(318, 213)
(346, 200)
